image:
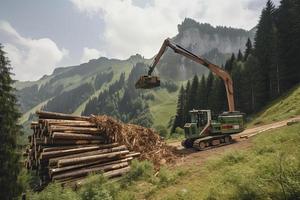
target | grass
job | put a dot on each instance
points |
(163, 106)
(285, 107)
(269, 169)
(26, 115)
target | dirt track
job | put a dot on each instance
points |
(191, 156)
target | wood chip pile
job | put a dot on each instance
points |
(136, 138)
(66, 148)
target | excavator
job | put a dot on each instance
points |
(202, 132)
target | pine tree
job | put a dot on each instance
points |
(179, 118)
(192, 104)
(186, 103)
(202, 94)
(9, 131)
(250, 97)
(288, 20)
(264, 47)
(228, 65)
(209, 89)
(237, 83)
(240, 56)
(248, 50)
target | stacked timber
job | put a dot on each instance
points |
(66, 148)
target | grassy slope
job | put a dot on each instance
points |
(163, 106)
(248, 173)
(117, 72)
(26, 115)
(285, 107)
(254, 173)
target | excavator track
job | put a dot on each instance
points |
(211, 142)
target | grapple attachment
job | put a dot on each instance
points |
(147, 82)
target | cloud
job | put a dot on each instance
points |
(89, 54)
(131, 29)
(30, 58)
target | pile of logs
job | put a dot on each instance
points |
(66, 148)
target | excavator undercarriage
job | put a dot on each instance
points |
(207, 142)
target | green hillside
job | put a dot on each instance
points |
(269, 169)
(282, 108)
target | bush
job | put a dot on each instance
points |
(163, 132)
(166, 177)
(96, 189)
(140, 170)
(179, 131)
(54, 192)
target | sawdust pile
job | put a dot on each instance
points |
(136, 138)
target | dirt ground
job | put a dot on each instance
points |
(192, 157)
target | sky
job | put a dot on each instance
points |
(40, 35)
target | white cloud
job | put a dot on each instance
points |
(30, 58)
(130, 29)
(89, 54)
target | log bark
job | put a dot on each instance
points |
(97, 168)
(75, 129)
(59, 170)
(61, 122)
(49, 149)
(64, 152)
(49, 141)
(110, 174)
(72, 161)
(54, 161)
(74, 136)
(53, 115)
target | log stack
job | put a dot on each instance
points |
(66, 148)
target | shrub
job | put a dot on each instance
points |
(163, 132)
(179, 131)
(53, 192)
(96, 188)
(140, 170)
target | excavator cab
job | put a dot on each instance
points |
(147, 82)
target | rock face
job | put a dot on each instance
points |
(213, 43)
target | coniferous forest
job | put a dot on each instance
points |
(269, 66)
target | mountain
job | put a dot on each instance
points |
(214, 43)
(70, 89)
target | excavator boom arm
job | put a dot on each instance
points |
(214, 68)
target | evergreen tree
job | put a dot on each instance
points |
(248, 50)
(186, 105)
(9, 131)
(192, 104)
(202, 94)
(250, 87)
(179, 118)
(288, 20)
(240, 56)
(264, 47)
(209, 89)
(237, 83)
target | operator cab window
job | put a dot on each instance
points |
(202, 118)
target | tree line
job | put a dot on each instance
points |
(122, 101)
(264, 71)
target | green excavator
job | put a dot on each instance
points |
(202, 131)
